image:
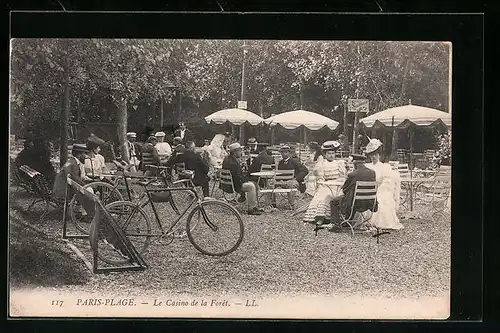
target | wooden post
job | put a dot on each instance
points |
(121, 119)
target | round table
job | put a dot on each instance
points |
(412, 184)
(266, 174)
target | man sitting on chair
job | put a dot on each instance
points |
(246, 189)
(288, 162)
(342, 204)
(255, 166)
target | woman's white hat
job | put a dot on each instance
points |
(373, 145)
(234, 146)
(160, 134)
(330, 145)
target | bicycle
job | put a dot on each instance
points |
(110, 192)
(210, 234)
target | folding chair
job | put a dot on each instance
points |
(363, 192)
(227, 186)
(281, 185)
(437, 197)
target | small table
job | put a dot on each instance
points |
(412, 184)
(334, 183)
(266, 174)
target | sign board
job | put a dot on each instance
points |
(242, 105)
(358, 105)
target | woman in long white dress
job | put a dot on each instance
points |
(329, 170)
(216, 151)
(315, 157)
(388, 189)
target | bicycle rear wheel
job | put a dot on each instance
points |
(104, 191)
(134, 222)
(215, 228)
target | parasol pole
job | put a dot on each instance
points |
(411, 150)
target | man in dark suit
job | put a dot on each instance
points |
(288, 162)
(262, 158)
(184, 133)
(246, 189)
(342, 204)
(194, 162)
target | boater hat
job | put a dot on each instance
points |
(373, 145)
(132, 134)
(285, 148)
(358, 157)
(234, 146)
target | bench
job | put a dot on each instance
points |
(41, 189)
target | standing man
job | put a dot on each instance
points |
(163, 148)
(246, 189)
(184, 133)
(134, 149)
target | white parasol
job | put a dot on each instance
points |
(234, 116)
(297, 118)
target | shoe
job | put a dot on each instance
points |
(242, 198)
(254, 211)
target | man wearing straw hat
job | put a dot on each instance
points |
(246, 189)
(134, 149)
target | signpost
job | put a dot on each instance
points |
(357, 105)
(242, 105)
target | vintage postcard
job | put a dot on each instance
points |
(185, 178)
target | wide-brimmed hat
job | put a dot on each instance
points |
(252, 141)
(160, 134)
(79, 148)
(93, 141)
(234, 146)
(373, 145)
(330, 145)
(132, 134)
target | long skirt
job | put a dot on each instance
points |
(320, 207)
(311, 184)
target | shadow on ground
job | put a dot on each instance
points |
(37, 259)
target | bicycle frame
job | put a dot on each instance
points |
(195, 201)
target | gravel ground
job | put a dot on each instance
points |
(279, 256)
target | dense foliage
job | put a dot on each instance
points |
(116, 80)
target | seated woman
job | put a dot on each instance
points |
(315, 157)
(95, 166)
(388, 189)
(216, 150)
(330, 169)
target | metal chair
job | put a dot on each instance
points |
(364, 191)
(437, 197)
(281, 185)
(227, 185)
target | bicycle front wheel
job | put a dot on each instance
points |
(135, 224)
(106, 193)
(215, 228)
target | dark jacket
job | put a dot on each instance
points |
(362, 173)
(232, 164)
(71, 168)
(262, 158)
(294, 164)
(192, 161)
(188, 135)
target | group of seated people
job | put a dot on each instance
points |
(332, 203)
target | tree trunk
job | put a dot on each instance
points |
(121, 122)
(65, 118)
(161, 112)
(301, 95)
